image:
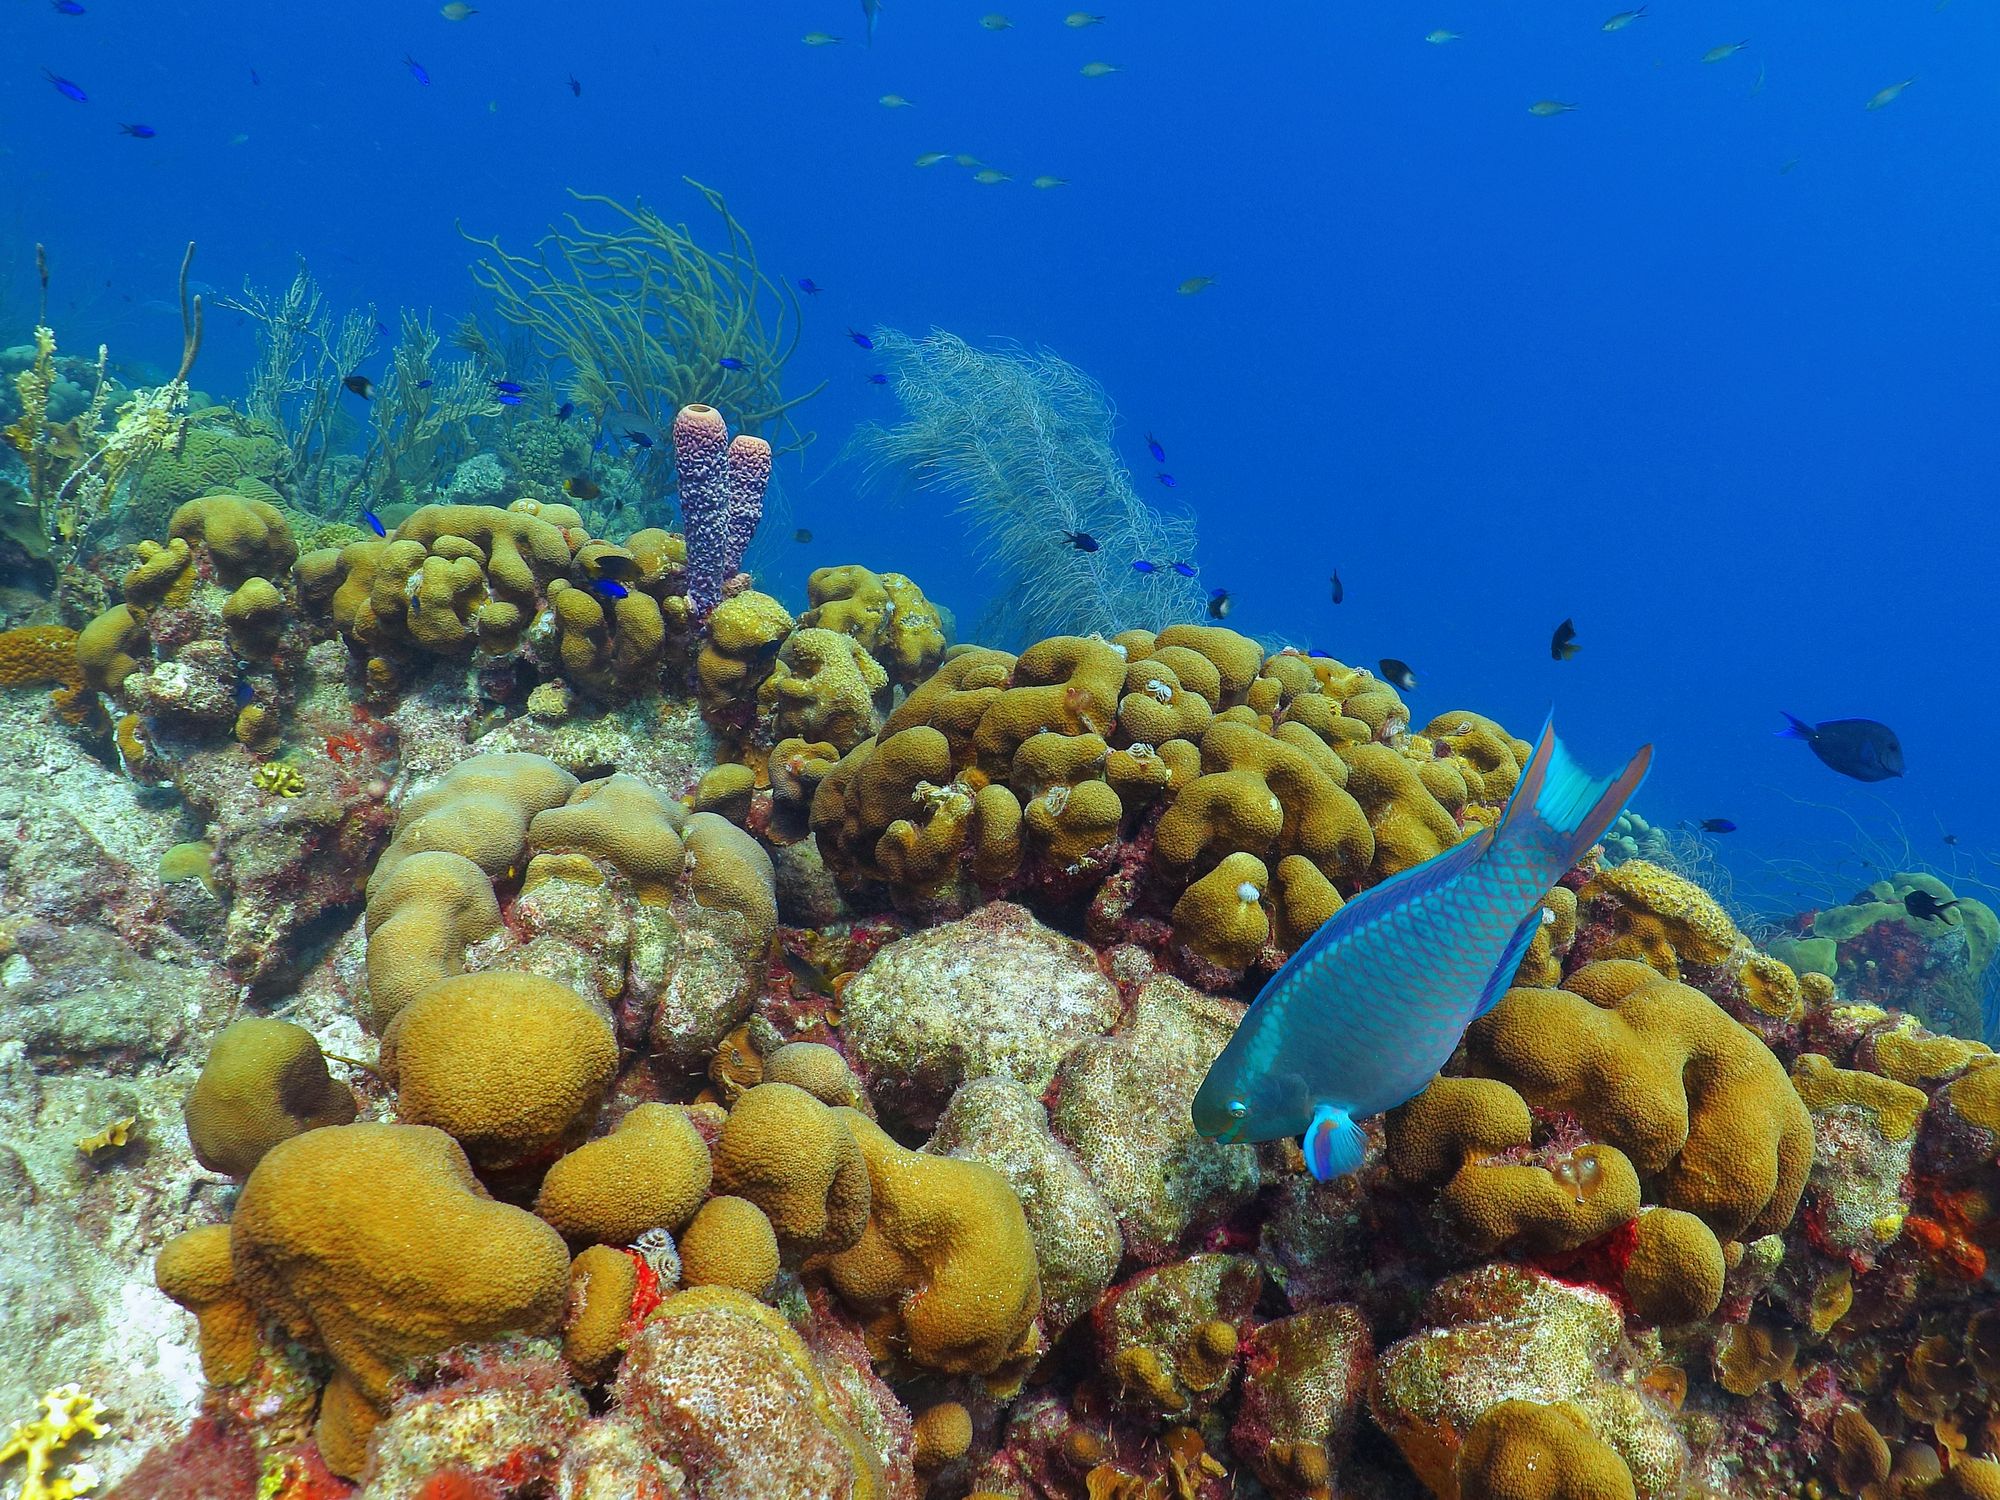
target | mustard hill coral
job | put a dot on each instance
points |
(945, 1267)
(265, 1081)
(320, 1242)
(1246, 793)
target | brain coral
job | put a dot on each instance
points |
(34, 655)
(194, 1269)
(1523, 1450)
(321, 1241)
(796, 1160)
(512, 1066)
(264, 1082)
(1121, 1104)
(1661, 1072)
(999, 1122)
(996, 993)
(651, 1172)
(1500, 1334)
(243, 538)
(945, 1268)
(725, 1388)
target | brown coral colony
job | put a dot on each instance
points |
(809, 1115)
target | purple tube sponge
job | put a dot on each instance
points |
(722, 499)
(749, 472)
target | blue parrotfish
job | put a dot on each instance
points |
(1373, 1003)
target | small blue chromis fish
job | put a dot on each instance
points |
(374, 523)
(67, 7)
(1186, 570)
(610, 588)
(142, 132)
(1167, 479)
(64, 87)
(1153, 447)
(416, 69)
(1372, 1004)
(730, 362)
(878, 378)
(509, 387)
(1145, 567)
(565, 411)
(810, 287)
(861, 338)
(424, 385)
(509, 398)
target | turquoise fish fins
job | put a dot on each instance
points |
(1333, 1144)
(1510, 961)
(1560, 806)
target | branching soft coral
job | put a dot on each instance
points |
(638, 318)
(1022, 441)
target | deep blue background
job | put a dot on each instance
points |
(1741, 422)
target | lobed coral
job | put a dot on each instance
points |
(1171, 775)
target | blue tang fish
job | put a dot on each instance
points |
(1372, 1004)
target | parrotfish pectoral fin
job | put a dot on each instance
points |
(1333, 1144)
(1561, 805)
(1510, 961)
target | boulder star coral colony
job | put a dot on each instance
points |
(642, 1042)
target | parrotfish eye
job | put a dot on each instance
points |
(1238, 1109)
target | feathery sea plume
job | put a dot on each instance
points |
(1021, 440)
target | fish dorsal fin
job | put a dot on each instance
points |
(1510, 961)
(1334, 1144)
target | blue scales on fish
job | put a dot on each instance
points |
(1373, 1003)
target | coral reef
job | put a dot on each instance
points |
(494, 1010)
(1209, 800)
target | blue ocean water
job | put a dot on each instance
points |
(1706, 363)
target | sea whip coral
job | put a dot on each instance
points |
(722, 498)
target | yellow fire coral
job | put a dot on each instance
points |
(67, 1414)
(945, 1269)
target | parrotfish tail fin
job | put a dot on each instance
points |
(1795, 728)
(1333, 1144)
(1560, 807)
